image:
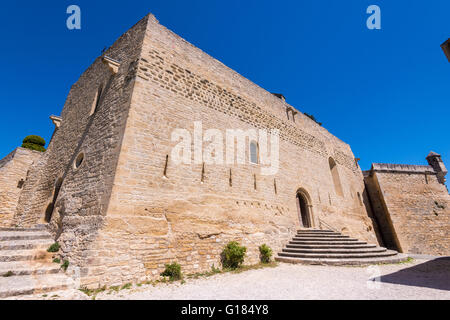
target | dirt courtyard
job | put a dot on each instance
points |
(418, 279)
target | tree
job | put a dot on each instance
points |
(34, 143)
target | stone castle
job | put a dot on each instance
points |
(110, 193)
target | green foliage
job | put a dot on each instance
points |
(34, 147)
(35, 140)
(173, 271)
(57, 260)
(8, 274)
(233, 255)
(265, 253)
(126, 286)
(65, 265)
(34, 143)
(312, 118)
(54, 247)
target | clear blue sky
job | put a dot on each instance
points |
(385, 92)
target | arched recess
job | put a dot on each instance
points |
(304, 208)
(254, 152)
(335, 176)
(51, 206)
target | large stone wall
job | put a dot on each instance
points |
(13, 174)
(154, 219)
(412, 207)
(82, 202)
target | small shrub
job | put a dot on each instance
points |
(173, 271)
(8, 274)
(214, 270)
(233, 255)
(265, 253)
(126, 286)
(57, 260)
(34, 143)
(54, 247)
(65, 265)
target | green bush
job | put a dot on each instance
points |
(233, 255)
(35, 140)
(34, 143)
(65, 265)
(173, 271)
(265, 253)
(54, 247)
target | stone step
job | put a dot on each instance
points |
(315, 231)
(26, 244)
(21, 268)
(324, 239)
(33, 284)
(345, 262)
(23, 235)
(331, 246)
(387, 253)
(36, 228)
(334, 250)
(322, 236)
(314, 242)
(24, 255)
(318, 234)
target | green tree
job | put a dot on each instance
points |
(34, 143)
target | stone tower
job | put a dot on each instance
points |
(436, 162)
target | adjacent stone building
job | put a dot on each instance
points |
(411, 205)
(13, 174)
(122, 206)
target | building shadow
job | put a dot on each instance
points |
(430, 274)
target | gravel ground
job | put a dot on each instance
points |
(420, 279)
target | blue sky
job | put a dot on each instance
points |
(385, 92)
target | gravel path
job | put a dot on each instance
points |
(420, 279)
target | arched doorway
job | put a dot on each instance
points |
(304, 209)
(51, 206)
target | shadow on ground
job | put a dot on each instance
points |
(430, 274)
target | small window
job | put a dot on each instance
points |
(78, 161)
(254, 152)
(359, 199)
(96, 102)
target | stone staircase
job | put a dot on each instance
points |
(25, 265)
(326, 247)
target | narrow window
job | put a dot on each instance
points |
(254, 152)
(203, 172)
(335, 176)
(359, 198)
(78, 161)
(165, 166)
(96, 102)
